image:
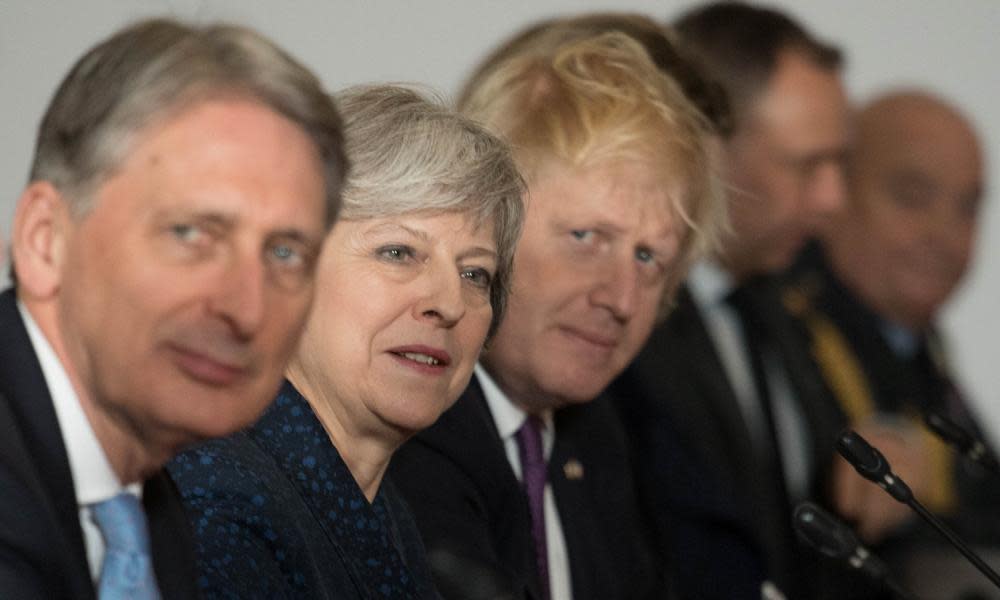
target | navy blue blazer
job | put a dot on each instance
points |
(277, 514)
(474, 516)
(41, 544)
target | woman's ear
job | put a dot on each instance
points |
(38, 240)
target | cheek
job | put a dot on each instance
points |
(894, 228)
(474, 327)
(286, 319)
(642, 323)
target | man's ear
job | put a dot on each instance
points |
(38, 240)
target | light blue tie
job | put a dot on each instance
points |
(127, 572)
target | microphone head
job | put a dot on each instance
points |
(828, 535)
(949, 431)
(868, 461)
(457, 575)
(823, 532)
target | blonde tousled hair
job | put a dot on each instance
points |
(596, 99)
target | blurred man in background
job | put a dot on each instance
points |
(725, 373)
(869, 294)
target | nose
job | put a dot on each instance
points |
(440, 296)
(617, 288)
(828, 190)
(239, 295)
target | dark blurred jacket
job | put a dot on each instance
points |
(469, 504)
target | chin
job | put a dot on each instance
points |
(411, 423)
(578, 394)
(218, 415)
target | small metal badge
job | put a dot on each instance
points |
(573, 469)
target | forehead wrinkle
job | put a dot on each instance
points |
(393, 225)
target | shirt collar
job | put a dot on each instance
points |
(904, 342)
(93, 478)
(508, 416)
(709, 283)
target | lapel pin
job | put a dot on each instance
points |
(573, 470)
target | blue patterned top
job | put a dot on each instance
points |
(277, 514)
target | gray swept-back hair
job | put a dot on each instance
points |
(157, 68)
(410, 154)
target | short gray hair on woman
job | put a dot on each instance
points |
(157, 68)
(410, 154)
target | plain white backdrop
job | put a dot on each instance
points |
(948, 47)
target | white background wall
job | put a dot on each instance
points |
(951, 47)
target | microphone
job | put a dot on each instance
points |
(963, 441)
(459, 576)
(872, 465)
(826, 534)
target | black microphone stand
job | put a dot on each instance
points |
(872, 465)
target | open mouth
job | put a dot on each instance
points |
(425, 359)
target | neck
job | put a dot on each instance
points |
(132, 459)
(366, 453)
(531, 398)
(131, 452)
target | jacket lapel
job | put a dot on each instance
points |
(173, 545)
(38, 452)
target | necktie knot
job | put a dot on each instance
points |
(127, 571)
(123, 523)
(529, 442)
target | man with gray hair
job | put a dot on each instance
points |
(163, 252)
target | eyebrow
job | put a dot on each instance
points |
(230, 220)
(478, 252)
(601, 224)
(473, 252)
(298, 236)
(211, 216)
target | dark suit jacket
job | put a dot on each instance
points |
(41, 543)
(720, 517)
(277, 514)
(474, 516)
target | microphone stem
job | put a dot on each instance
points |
(956, 541)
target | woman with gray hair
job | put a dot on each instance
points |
(410, 284)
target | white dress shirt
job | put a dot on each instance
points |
(508, 419)
(93, 478)
(709, 285)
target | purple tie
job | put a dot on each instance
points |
(529, 443)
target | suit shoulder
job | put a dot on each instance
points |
(245, 518)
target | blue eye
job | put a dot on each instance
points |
(478, 277)
(395, 253)
(584, 235)
(286, 254)
(644, 256)
(186, 232)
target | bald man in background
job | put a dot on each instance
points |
(869, 293)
